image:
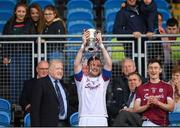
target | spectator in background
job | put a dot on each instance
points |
(18, 54)
(18, 24)
(92, 87)
(50, 100)
(120, 88)
(170, 56)
(126, 116)
(160, 23)
(131, 23)
(54, 25)
(26, 94)
(175, 82)
(154, 99)
(36, 17)
(149, 12)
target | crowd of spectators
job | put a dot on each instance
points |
(136, 101)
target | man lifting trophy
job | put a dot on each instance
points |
(92, 86)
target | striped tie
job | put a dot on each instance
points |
(60, 99)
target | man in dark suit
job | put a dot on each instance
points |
(120, 88)
(50, 107)
(25, 98)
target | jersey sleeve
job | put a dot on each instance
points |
(138, 92)
(170, 92)
(106, 74)
(78, 76)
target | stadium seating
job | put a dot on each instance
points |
(174, 118)
(5, 105)
(5, 119)
(162, 4)
(109, 4)
(76, 27)
(1, 27)
(27, 121)
(74, 119)
(7, 4)
(166, 14)
(5, 15)
(111, 7)
(72, 4)
(80, 14)
(43, 3)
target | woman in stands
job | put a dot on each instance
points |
(19, 24)
(36, 17)
(18, 54)
(54, 25)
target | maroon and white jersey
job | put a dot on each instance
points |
(162, 91)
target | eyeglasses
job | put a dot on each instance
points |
(48, 14)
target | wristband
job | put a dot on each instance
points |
(101, 46)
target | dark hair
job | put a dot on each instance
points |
(54, 9)
(40, 23)
(172, 22)
(135, 73)
(151, 61)
(13, 17)
(176, 69)
(92, 58)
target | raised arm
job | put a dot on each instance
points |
(77, 61)
(107, 58)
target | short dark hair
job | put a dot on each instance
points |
(172, 22)
(92, 58)
(135, 73)
(151, 61)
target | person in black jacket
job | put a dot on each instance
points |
(50, 99)
(26, 94)
(54, 25)
(120, 88)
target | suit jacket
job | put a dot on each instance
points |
(45, 104)
(26, 93)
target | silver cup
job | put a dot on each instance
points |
(91, 42)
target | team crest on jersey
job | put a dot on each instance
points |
(161, 90)
(153, 90)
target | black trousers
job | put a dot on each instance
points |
(125, 118)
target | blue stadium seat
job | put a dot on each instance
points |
(5, 119)
(27, 121)
(42, 3)
(174, 118)
(110, 14)
(5, 105)
(109, 27)
(7, 4)
(1, 27)
(77, 27)
(162, 4)
(5, 15)
(87, 4)
(80, 14)
(74, 119)
(166, 14)
(109, 4)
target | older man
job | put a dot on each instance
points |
(25, 98)
(126, 116)
(50, 107)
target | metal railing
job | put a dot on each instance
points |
(25, 51)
